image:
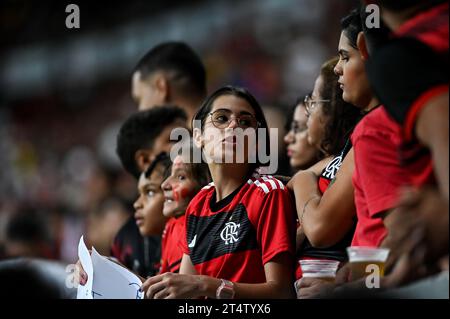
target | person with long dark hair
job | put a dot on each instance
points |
(240, 229)
(330, 123)
(327, 209)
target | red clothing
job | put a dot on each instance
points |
(323, 184)
(429, 27)
(171, 253)
(417, 106)
(378, 175)
(406, 74)
(233, 238)
(338, 250)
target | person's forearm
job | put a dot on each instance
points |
(305, 187)
(440, 155)
(307, 198)
(267, 290)
(432, 131)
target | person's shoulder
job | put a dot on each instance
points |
(264, 185)
(205, 191)
(404, 60)
(397, 49)
(208, 187)
(170, 223)
(128, 229)
(379, 118)
(200, 197)
(180, 221)
(377, 122)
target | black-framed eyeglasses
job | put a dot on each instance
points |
(222, 119)
(311, 104)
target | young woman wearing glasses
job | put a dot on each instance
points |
(240, 229)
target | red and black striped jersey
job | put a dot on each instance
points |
(233, 238)
(406, 74)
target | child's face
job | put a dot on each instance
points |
(179, 188)
(149, 205)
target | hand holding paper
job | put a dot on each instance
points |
(106, 279)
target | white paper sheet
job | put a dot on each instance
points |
(85, 292)
(110, 280)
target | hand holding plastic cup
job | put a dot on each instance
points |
(364, 260)
(321, 269)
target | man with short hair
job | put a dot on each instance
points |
(172, 73)
(146, 134)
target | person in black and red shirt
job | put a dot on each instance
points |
(329, 215)
(379, 176)
(169, 73)
(330, 123)
(327, 209)
(409, 74)
(240, 230)
(185, 180)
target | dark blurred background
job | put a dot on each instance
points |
(65, 92)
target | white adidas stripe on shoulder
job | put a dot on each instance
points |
(263, 186)
(268, 183)
(280, 183)
(208, 186)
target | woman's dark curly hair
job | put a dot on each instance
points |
(341, 116)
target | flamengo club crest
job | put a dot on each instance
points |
(333, 167)
(229, 233)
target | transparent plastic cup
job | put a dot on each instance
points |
(322, 269)
(364, 260)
